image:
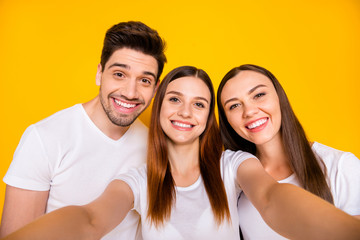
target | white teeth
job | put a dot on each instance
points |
(257, 123)
(182, 125)
(125, 105)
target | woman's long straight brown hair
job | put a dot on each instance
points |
(297, 147)
(160, 183)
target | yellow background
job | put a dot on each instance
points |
(49, 51)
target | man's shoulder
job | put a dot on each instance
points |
(64, 115)
(59, 123)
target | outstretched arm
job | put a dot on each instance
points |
(291, 211)
(90, 221)
(21, 207)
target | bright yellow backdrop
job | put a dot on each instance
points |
(49, 51)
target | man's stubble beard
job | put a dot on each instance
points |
(122, 120)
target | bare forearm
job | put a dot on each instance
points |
(292, 211)
(12, 221)
(90, 221)
(67, 223)
(21, 207)
(297, 214)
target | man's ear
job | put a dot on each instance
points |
(98, 75)
(156, 87)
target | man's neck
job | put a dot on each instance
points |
(97, 114)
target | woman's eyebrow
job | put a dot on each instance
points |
(180, 94)
(249, 92)
(256, 87)
(202, 98)
(175, 92)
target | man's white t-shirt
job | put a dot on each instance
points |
(67, 155)
(191, 216)
(343, 176)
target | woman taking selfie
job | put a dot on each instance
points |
(189, 188)
(255, 116)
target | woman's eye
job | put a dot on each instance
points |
(259, 95)
(200, 105)
(174, 99)
(234, 106)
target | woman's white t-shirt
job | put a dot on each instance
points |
(191, 216)
(343, 177)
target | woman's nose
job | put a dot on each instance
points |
(185, 111)
(250, 109)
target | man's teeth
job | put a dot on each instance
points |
(182, 125)
(125, 105)
(257, 123)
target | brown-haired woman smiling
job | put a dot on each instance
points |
(255, 116)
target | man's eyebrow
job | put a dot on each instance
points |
(180, 94)
(150, 73)
(249, 92)
(128, 67)
(119, 65)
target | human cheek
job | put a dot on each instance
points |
(272, 103)
(147, 95)
(237, 125)
(111, 86)
(203, 122)
(162, 119)
(234, 120)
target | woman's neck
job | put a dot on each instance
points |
(274, 159)
(184, 162)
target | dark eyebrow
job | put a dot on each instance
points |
(250, 91)
(229, 100)
(128, 67)
(254, 88)
(180, 94)
(202, 98)
(150, 73)
(119, 65)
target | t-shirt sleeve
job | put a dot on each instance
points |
(348, 184)
(136, 179)
(29, 168)
(236, 158)
(231, 160)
